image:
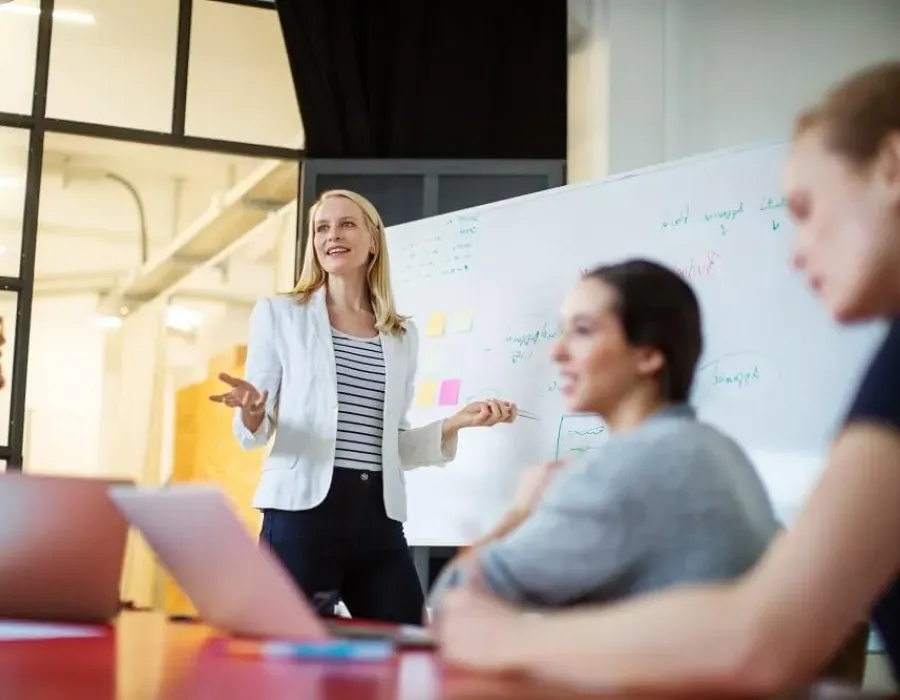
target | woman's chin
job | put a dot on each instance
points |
(574, 404)
(343, 268)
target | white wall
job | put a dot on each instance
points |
(656, 80)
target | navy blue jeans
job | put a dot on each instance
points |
(348, 546)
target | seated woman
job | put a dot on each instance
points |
(667, 500)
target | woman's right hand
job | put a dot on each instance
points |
(245, 396)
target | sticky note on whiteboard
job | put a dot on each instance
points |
(435, 325)
(461, 321)
(449, 395)
(426, 393)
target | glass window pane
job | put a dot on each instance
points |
(93, 194)
(113, 62)
(239, 82)
(18, 44)
(13, 168)
(8, 301)
(89, 242)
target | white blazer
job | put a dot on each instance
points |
(290, 355)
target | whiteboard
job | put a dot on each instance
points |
(484, 286)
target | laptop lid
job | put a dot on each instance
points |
(62, 548)
(236, 583)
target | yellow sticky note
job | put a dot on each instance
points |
(426, 394)
(435, 325)
(461, 321)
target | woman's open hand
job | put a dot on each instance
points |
(242, 395)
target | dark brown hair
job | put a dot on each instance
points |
(857, 115)
(657, 308)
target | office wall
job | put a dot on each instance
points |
(661, 79)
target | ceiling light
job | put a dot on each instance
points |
(66, 16)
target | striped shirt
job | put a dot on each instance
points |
(360, 386)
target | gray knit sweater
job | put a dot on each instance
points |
(674, 501)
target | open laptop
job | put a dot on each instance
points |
(236, 583)
(62, 548)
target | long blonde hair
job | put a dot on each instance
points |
(378, 276)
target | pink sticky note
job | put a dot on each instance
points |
(449, 395)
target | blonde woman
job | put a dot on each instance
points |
(330, 374)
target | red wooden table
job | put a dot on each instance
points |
(146, 658)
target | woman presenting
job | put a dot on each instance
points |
(330, 373)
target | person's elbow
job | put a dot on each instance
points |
(760, 667)
(775, 649)
(761, 660)
(502, 575)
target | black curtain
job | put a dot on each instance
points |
(429, 78)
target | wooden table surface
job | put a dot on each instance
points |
(145, 657)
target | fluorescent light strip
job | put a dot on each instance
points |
(70, 16)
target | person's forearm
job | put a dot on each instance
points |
(449, 429)
(692, 639)
(509, 522)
